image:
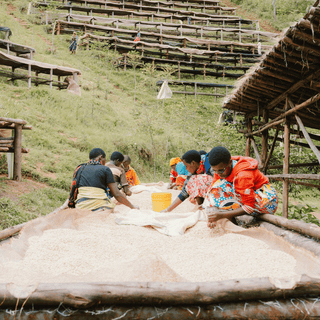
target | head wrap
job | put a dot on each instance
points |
(96, 152)
(174, 161)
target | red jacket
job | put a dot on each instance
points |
(246, 178)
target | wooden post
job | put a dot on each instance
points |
(285, 192)
(51, 73)
(37, 73)
(17, 152)
(271, 150)
(248, 142)
(179, 70)
(29, 76)
(264, 139)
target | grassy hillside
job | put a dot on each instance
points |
(117, 111)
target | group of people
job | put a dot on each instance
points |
(225, 186)
(96, 182)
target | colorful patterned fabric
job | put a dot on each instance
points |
(198, 186)
(180, 181)
(223, 195)
(201, 169)
(132, 177)
(93, 199)
(173, 176)
(246, 179)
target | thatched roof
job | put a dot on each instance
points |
(290, 70)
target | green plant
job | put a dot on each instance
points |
(303, 213)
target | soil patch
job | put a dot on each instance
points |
(13, 189)
(45, 174)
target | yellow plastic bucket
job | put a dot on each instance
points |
(160, 200)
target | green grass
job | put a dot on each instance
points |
(117, 111)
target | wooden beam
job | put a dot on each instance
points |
(292, 111)
(271, 150)
(296, 176)
(264, 139)
(307, 137)
(296, 165)
(256, 151)
(293, 88)
(248, 140)
(299, 226)
(306, 184)
(285, 193)
(17, 121)
(265, 127)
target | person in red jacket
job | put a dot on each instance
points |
(238, 188)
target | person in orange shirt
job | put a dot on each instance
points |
(173, 172)
(131, 174)
(238, 188)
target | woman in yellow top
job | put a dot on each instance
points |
(131, 175)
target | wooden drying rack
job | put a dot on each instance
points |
(13, 144)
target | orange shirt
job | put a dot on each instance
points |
(132, 177)
(246, 178)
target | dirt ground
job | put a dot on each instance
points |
(12, 189)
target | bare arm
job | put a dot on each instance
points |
(173, 205)
(217, 215)
(120, 197)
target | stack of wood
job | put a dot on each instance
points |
(12, 143)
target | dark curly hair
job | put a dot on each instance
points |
(218, 155)
(191, 155)
(117, 156)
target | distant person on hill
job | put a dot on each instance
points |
(137, 38)
(131, 175)
(119, 174)
(173, 172)
(197, 182)
(93, 185)
(238, 188)
(74, 43)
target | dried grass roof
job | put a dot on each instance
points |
(291, 69)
